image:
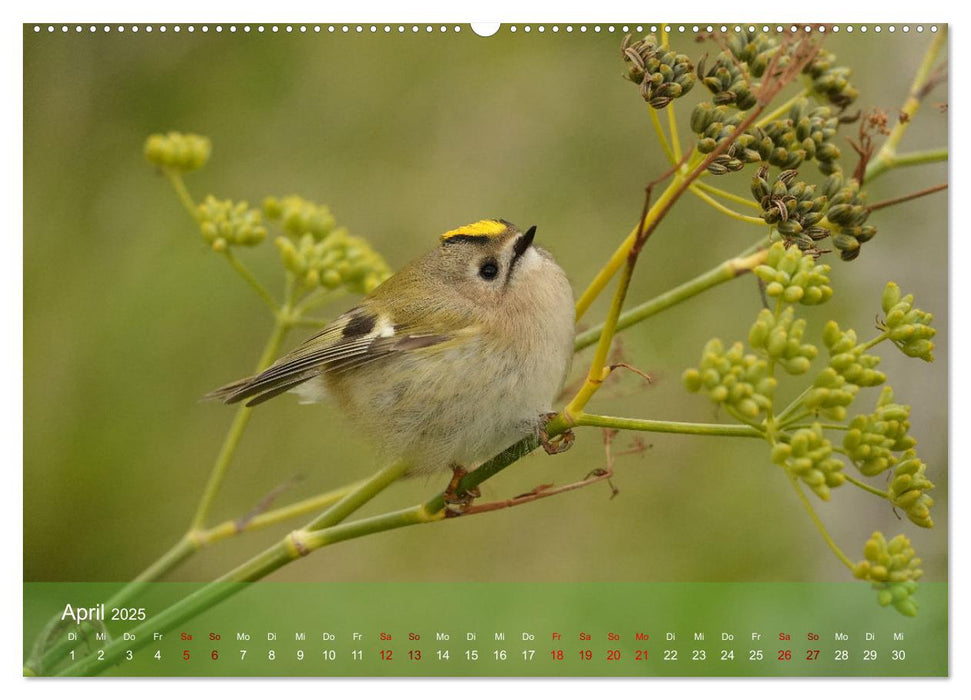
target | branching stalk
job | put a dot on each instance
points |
(866, 487)
(886, 157)
(746, 261)
(731, 196)
(830, 542)
(707, 199)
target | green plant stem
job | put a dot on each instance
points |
(193, 542)
(313, 504)
(251, 280)
(930, 155)
(231, 441)
(746, 261)
(786, 416)
(703, 196)
(890, 161)
(619, 257)
(663, 426)
(489, 469)
(673, 129)
(357, 497)
(197, 535)
(886, 158)
(661, 136)
(784, 107)
(724, 194)
(175, 178)
(598, 371)
(182, 549)
(866, 487)
(874, 341)
(791, 420)
(819, 523)
(294, 546)
(751, 422)
(317, 298)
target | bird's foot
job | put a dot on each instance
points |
(558, 444)
(456, 501)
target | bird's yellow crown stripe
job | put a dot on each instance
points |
(487, 228)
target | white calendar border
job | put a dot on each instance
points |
(520, 11)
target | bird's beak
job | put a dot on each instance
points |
(524, 241)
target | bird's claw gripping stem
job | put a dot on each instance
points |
(558, 444)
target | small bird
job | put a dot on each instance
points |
(454, 358)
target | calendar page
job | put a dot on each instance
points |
(512, 350)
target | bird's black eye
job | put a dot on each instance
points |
(489, 270)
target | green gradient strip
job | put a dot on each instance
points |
(515, 629)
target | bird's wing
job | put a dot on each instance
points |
(354, 339)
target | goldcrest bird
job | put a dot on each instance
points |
(454, 358)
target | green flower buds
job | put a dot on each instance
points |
(662, 74)
(729, 82)
(909, 328)
(224, 223)
(179, 152)
(848, 212)
(809, 456)
(830, 395)
(893, 568)
(737, 380)
(299, 216)
(755, 49)
(340, 260)
(908, 489)
(794, 277)
(780, 340)
(849, 359)
(831, 82)
(805, 133)
(872, 439)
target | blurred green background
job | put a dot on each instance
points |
(130, 319)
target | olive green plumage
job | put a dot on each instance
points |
(452, 359)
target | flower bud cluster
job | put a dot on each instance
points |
(177, 151)
(848, 214)
(872, 439)
(894, 568)
(809, 456)
(805, 133)
(908, 489)
(792, 206)
(830, 394)
(849, 368)
(715, 123)
(735, 379)
(299, 216)
(224, 223)
(780, 338)
(849, 359)
(790, 275)
(339, 260)
(729, 82)
(909, 328)
(829, 81)
(753, 48)
(662, 74)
